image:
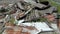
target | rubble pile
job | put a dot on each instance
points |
(25, 11)
(20, 29)
(28, 9)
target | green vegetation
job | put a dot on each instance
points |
(12, 20)
(53, 3)
(43, 19)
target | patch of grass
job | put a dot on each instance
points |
(53, 3)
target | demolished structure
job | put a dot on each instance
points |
(26, 11)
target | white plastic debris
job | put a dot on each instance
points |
(20, 21)
(43, 26)
(54, 26)
(39, 25)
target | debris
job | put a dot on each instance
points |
(48, 10)
(20, 5)
(26, 11)
(23, 8)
